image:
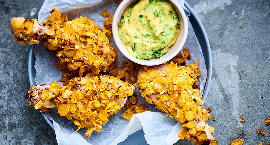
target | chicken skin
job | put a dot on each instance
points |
(172, 88)
(87, 101)
(82, 47)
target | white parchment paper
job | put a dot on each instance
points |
(159, 129)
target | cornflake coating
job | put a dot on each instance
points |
(180, 59)
(133, 109)
(172, 88)
(237, 142)
(105, 13)
(267, 121)
(88, 101)
(82, 47)
(125, 74)
(108, 25)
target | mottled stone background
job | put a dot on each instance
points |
(239, 35)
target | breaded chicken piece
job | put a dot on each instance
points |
(82, 46)
(172, 88)
(88, 101)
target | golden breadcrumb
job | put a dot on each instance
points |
(87, 101)
(132, 100)
(82, 47)
(267, 121)
(108, 26)
(262, 132)
(180, 59)
(237, 142)
(105, 13)
(260, 143)
(172, 88)
(133, 109)
(125, 74)
(214, 118)
(242, 120)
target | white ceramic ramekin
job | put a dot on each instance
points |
(174, 49)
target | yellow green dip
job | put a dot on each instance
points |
(149, 28)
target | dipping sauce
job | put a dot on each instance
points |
(149, 28)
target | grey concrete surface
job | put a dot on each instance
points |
(239, 35)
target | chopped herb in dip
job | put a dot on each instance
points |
(152, 27)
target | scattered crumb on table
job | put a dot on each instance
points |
(262, 132)
(242, 120)
(237, 142)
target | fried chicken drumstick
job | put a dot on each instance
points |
(81, 45)
(172, 89)
(87, 101)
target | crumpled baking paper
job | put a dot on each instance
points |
(158, 128)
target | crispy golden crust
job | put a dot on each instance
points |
(125, 74)
(87, 101)
(82, 47)
(171, 88)
(133, 109)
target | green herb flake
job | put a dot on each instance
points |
(156, 13)
(134, 48)
(129, 11)
(157, 53)
(178, 25)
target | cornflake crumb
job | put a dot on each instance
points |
(267, 121)
(262, 132)
(237, 142)
(108, 25)
(133, 109)
(105, 13)
(260, 143)
(214, 118)
(242, 120)
(248, 105)
(245, 137)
